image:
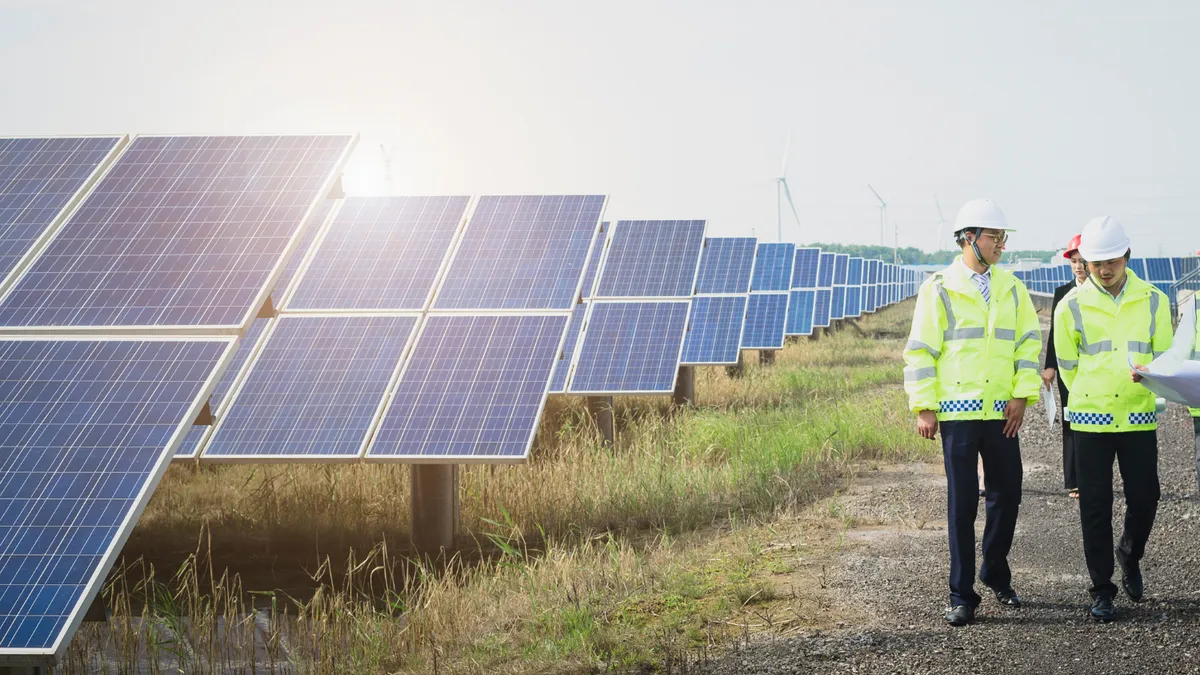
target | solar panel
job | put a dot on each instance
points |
(380, 253)
(773, 267)
(1159, 269)
(841, 266)
(314, 390)
(39, 178)
(853, 301)
(593, 265)
(562, 366)
(801, 305)
(652, 258)
(87, 428)
(765, 321)
(631, 347)
(522, 252)
(825, 271)
(181, 231)
(324, 208)
(715, 335)
(821, 307)
(1184, 266)
(1138, 265)
(837, 303)
(472, 389)
(804, 270)
(726, 265)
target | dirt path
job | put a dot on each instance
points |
(892, 572)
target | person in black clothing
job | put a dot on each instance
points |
(1079, 268)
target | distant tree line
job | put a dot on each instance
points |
(915, 256)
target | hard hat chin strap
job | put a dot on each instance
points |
(975, 247)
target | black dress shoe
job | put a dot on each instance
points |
(1131, 577)
(1007, 597)
(960, 615)
(1102, 609)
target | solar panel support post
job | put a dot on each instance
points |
(685, 387)
(601, 410)
(434, 507)
(766, 357)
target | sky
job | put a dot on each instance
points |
(1059, 111)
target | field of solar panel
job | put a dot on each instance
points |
(216, 301)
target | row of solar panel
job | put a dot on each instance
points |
(1162, 272)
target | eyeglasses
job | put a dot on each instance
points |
(998, 238)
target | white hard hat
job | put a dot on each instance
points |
(981, 213)
(1103, 238)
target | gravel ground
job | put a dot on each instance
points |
(894, 574)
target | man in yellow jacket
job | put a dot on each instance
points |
(1099, 328)
(972, 368)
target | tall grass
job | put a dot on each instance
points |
(550, 547)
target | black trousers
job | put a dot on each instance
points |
(1070, 479)
(963, 443)
(1136, 453)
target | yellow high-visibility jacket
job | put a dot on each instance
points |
(966, 358)
(1095, 338)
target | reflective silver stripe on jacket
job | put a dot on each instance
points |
(1064, 364)
(917, 345)
(1031, 365)
(1031, 335)
(1005, 334)
(1084, 346)
(1139, 347)
(952, 332)
(918, 374)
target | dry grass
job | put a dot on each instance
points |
(585, 557)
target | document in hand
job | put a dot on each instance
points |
(1173, 379)
(1051, 406)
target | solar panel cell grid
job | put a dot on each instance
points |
(381, 253)
(837, 303)
(821, 308)
(652, 258)
(181, 231)
(804, 273)
(726, 265)
(472, 388)
(631, 347)
(801, 305)
(69, 486)
(314, 390)
(38, 178)
(841, 264)
(522, 252)
(716, 330)
(825, 271)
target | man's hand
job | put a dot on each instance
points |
(1048, 377)
(1015, 416)
(927, 424)
(1137, 377)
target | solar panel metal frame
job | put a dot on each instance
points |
(186, 330)
(469, 217)
(678, 355)
(64, 214)
(783, 329)
(248, 368)
(54, 655)
(749, 274)
(366, 455)
(327, 225)
(601, 237)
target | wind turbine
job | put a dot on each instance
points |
(882, 222)
(781, 191)
(941, 223)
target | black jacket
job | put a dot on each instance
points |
(1051, 356)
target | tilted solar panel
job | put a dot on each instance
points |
(1159, 269)
(726, 265)
(804, 272)
(652, 258)
(853, 301)
(314, 390)
(837, 303)
(631, 347)
(1138, 265)
(80, 454)
(39, 178)
(472, 389)
(522, 252)
(825, 271)
(766, 317)
(180, 231)
(841, 265)
(593, 266)
(773, 267)
(801, 305)
(821, 307)
(715, 335)
(380, 253)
